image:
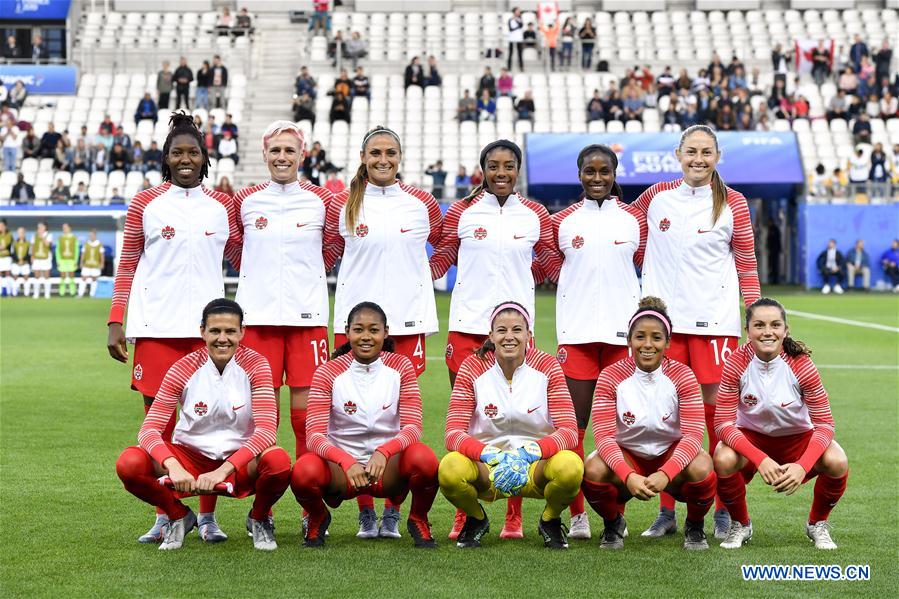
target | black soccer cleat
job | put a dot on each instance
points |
(420, 531)
(316, 531)
(555, 534)
(613, 533)
(473, 531)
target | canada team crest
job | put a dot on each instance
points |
(750, 399)
(261, 223)
(480, 233)
(362, 230)
(349, 407)
(491, 411)
(628, 418)
(167, 232)
(578, 242)
(449, 350)
(138, 372)
(562, 355)
(664, 225)
(200, 408)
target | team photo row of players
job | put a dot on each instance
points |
(517, 416)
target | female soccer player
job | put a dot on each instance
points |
(509, 427)
(700, 257)
(493, 235)
(381, 227)
(365, 430)
(602, 239)
(774, 417)
(41, 259)
(219, 438)
(175, 237)
(647, 423)
(283, 288)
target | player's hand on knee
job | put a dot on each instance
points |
(636, 486)
(657, 481)
(790, 479)
(376, 466)
(182, 480)
(356, 476)
(769, 470)
(115, 342)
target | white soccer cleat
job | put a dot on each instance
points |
(825, 290)
(263, 534)
(819, 532)
(177, 530)
(368, 524)
(737, 536)
(838, 289)
(580, 527)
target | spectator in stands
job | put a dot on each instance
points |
(336, 48)
(145, 185)
(882, 59)
(356, 48)
(438, 178)
(17, 95)
(120, 137)
(879, 174)
(683, 81)
(4, 93)
(858, 263)
(861, 130)
(857, 52)
(227, 147)
(204, 81)
(524, 107)
(838, 107)
(567, 34)
(633, 104)
(153, 158)
(780, 59)
(60, 193)
(315, 163)
(224, 187)
(115, 197)
(38, 50)
(462, 183)
(872, 106)
(321, 19)
(230, 125)
(219, 82)
(243, 25)
(889, 261)
(726, 119)
(515, 37)
(81, 156)
(433, 77)
(486, 107)
(737, 81)
(62, 156)
(182, 77)
(467, 109)
(859, 167)
(164, 85)
(505, 83)
(665, 82)
(690, 116)
(848, 81)
(595, 110)
(81, 197)
(340, 108)
(9, 137)
(821, 60)
(889, 106)
(22, 192)
(613, 107)
(224, 22)
(305, 84)
(830, 265)
(119, 160)
(414, 74)
(31, 145)
(744, 122)
(487, 82)
(587, 35)
(342, 84)
(361, 85)
(333, 184)
(303, 108)
(137, 157)
(550, 33)
(146, 110)
(530, 40)
(817, 186)
(99, 157)
(12, 52)
(211, 135)
(838, 184)
(477, 176)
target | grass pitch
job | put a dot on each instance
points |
(68, 528)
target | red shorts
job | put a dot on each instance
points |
(704, 354)
(459, 346)
(196, 463)
(154, 357)
(294, 351)
(584, 361)
(783, 450)
(411, 346)
(644, 466)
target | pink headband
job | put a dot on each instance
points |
(511, 306)
(652, 313)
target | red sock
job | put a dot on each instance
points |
(365, 502)
(713, 440)
(419, 465)
(310, 475)
(577, 506)
(828, 491)
(699, 496)
(166, 435)
(298, 423)
(732, 492)
(666, 501)
(393, 502)
(271, 482)
(603, 498)
(135, 469)
(513, 507)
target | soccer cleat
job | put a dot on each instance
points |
(722, 523)
(512, 529)
(316, 531)
(177, 530)
(737, 536)
(264, 534)
(664, 524)
(819, 532)
(157, 532)
(368, 524)
(458, 523)
(580, 527)
(270, 519)
(613, 534)
(825, 290)
(420, 531)
(473, 531)
(554, 533)
(390, 524)
(838, 289)
(694, 536)
(209, 529)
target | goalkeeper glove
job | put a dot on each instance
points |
(510, 475)
(530, 452)
(491, 455)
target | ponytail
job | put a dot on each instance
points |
(796, 348)
(719, 196)
(486, 348)
(474, 193)
(354, 201)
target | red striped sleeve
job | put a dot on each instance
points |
(691, 414)
(234, 245)
(409, 405)
(556, 221)
(167, 400)
(548, 258)
(605, 416)
(743, 246)
(728, 401)
(558, 399)
(815, 398)
(332, 240)
(318, 412)
(132, 250)
(446, 252)
(642, 203)
(435, 216)
(265, 407)
(644, 231)
(326, 197)
(461, 406)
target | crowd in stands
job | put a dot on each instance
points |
(837, 268)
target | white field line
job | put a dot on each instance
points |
(853, 323)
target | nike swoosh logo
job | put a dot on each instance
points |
(301, 225)
(700, 231)
(619, 242)
(519, 236)
(405, 230)
(533, 409)
(387, 406)
(783, 405)
(666, 417)
(239, 407)
(208, 233)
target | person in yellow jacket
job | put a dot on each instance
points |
(21, 266)
(93, 258)
(67, 248)
(5, 258)
(41, 259)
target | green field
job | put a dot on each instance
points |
(68, 528)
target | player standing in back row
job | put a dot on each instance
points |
(700, 258)
(93, 259)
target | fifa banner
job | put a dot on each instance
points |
(34, 10)
(40, 79)
(754, 159)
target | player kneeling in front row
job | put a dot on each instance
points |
(647, 424)
(510, 428)
(226, 432)
(774, 417)
(363, 430)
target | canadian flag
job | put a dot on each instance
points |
(803, 52)
(547, 12)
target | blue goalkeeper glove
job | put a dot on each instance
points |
(510, 475)
(530, 452)
(491, 455)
